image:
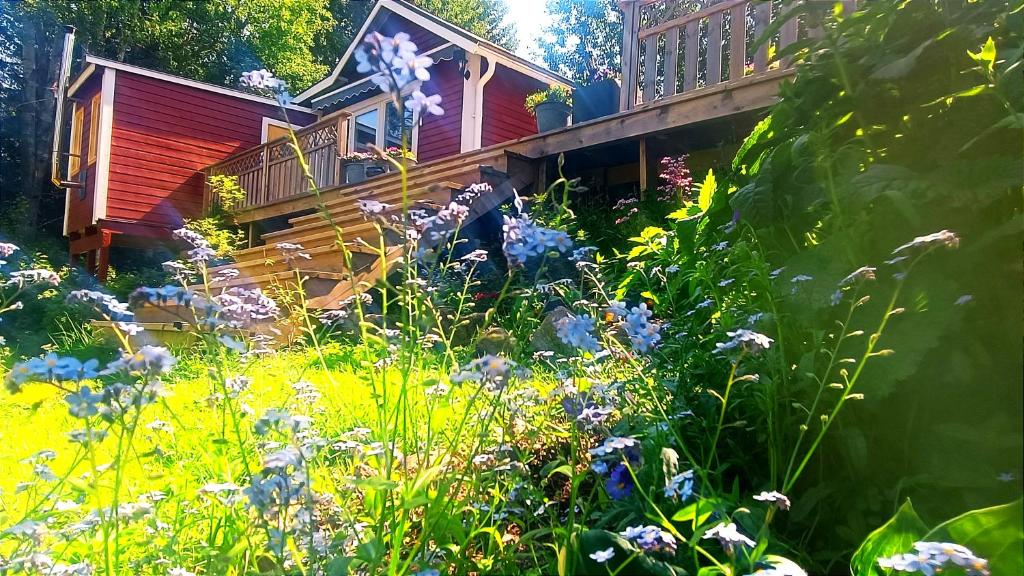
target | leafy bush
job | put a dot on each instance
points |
(551, 94)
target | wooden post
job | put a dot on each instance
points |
(341, 146)
(630, 53)
(264, 193)
(103, 256)
(671, 61)
(737, 41)
(692, 35)
(643, 168)
(714, 49)
(762, 17)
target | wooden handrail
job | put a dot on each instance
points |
(685, 19)
(271, 171)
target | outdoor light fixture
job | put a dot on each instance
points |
(460, 56)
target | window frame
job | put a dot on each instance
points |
(380, 104)
(94, 129)
(268, 122)
(75, 144)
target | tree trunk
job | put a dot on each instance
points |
(37, 108)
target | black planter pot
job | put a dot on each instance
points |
(552, 115)
(357, 171)
(595, 100)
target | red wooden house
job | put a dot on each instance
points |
(142, 139)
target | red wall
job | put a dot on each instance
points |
(441, 136)
(163, 135)
(505, 116)
(80, 204)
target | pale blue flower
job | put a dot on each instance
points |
(602, 556)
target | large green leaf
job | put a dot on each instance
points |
(995, 533)
(894, 537)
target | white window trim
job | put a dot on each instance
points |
(268, 122)
(380, 104)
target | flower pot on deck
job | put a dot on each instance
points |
(595, 100)
(552, 115)
(357, 171)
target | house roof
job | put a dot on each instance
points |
(457, 36)
(92, 62)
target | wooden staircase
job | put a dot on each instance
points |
(325, 278)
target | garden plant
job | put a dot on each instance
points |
(809, 363)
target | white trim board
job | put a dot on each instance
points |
(106, 126)
(82, 77)
(267, 122)
(103, 62)
(466, 40)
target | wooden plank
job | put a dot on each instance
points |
(722, 100)
(643, 168)
(737, 41)
(714, 49)
(650, 67)
(671, 62)
(691, 17)
(790, 28)
(762, 16)
(692, 39)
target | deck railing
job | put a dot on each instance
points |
(674, 46)
(272, 171)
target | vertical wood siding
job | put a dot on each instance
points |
(505, 114)
(441, 136)
(163, 135)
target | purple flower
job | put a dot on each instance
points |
(619, 483)
(421, 104)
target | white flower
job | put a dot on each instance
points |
(421, 104)
(728, 536)
(602, 556)
(778, 498)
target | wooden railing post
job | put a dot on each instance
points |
(263, 196)
(630, 53)
(341, 146)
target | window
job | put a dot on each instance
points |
(274, 129)
(75, 147)
(365, 130)
(397, 130)
(94, 124)
(379, 125)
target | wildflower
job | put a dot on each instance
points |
(130, 328)
(650, 538)
(1006, 477)
(103, 303)
(726, 282)
(728, 536)
(720, 246)
(801, 278)
(292, 252)
(620, 482)
(6, 249)
(963, 300)
(748, 340)
(642, 333)
(600, 467)
(862, 273)
(614, 443)
(34, 276)
(942, 238)
(475, 256)
(602, 556)
(231, 343)
(428, 572)
(493, 371)
(179, 571)
(421, 104)
(148, 360)
(371, 208)
(676, 175)
(617, 309)
(777, 498)
(935, 557)
(576, 331)
(680, 486)
(672, 269)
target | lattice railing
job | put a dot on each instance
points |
(272, 171)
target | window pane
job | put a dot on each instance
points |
(366, 130)
(396, 128)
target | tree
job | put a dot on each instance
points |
(581, 37)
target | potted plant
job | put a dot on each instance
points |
(599, 97)
(358, 166)
(551, 107)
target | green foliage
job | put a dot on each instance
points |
(581, 37)
(995, 534)
(218, 226)
(550, 94)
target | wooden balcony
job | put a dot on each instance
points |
(273, 172)
(671, 47)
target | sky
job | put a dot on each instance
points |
(529, 16)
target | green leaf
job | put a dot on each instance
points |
(627, 559)
(901, 66)
(707, 191)
(996, 534)
(987, 56)
(894, 537)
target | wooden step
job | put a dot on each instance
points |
(269, 251)
(270, 259)
(343, 207)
